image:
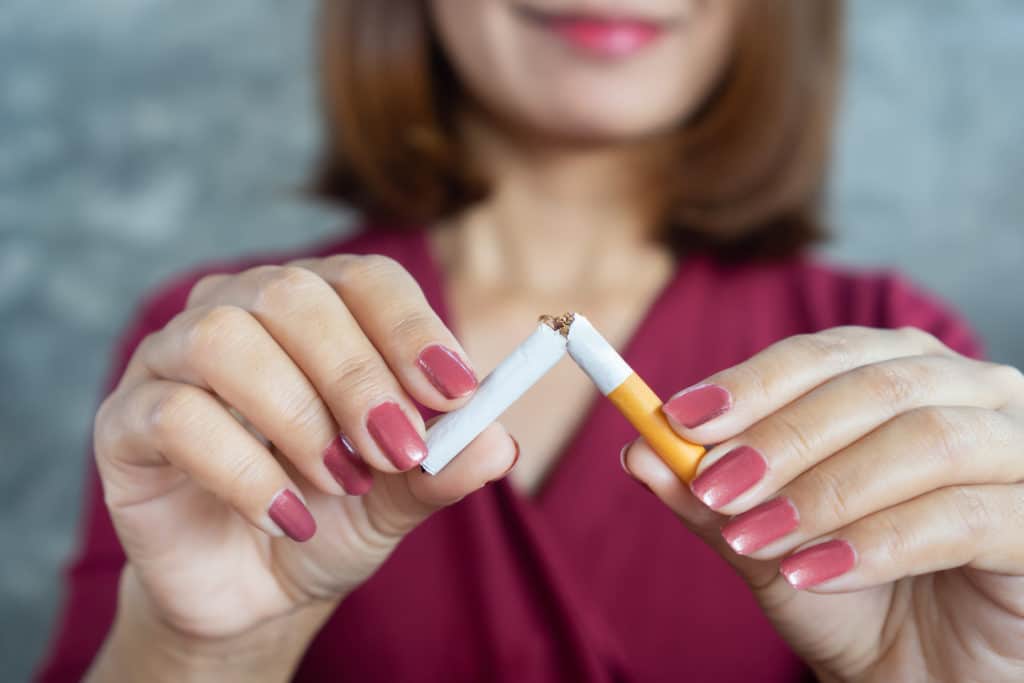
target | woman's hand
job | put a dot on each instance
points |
(220, 447)
(870, 483)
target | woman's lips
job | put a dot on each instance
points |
(599, 36)
(605, 37)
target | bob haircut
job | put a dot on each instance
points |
(746, 172)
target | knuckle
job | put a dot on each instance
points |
(801, 438)
(363, 270)
(413, 325)
(355, 374)
(751, 378)
(943, 434)
(203, 286)
(242, 474)
(1007, 376)
(972, 510)
(830, 347)
(895, 541)
(831, 495)
(301, 411)
(891, 384)
(279, 289)
(919, 339)
(173, 410)
(216, 328)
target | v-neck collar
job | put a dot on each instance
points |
(582, 459)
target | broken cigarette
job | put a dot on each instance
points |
(630, 394)
(530, 361)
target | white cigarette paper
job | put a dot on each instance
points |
(595, 356)
(530, 361)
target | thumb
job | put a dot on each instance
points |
(644, 465)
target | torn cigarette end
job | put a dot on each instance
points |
(632, 396)
(559, 323)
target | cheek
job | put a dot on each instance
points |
(533, 81)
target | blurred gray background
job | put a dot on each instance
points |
(139, 137)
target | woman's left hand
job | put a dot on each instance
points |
(871, 487)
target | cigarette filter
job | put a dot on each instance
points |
(630, 394)
(530, 361)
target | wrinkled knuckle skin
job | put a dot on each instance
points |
(301, 411)
(202, 287)
(830, 348)
(413, 326)
(216, 329)
(281, 289)
(355, 376)
(974, 512)
(173, 411)
(890, 384)
(942, 435)
(895, 544)
(834, 503)
(363, 271)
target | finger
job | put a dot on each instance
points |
(732, 400)
(643, 464)
(975, 526)
(397, 504)
(909, 456)
(308, 320)
(748, 469)
(159, 423)
(393, 312)
(227, 351)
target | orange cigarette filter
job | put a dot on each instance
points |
(627, 392)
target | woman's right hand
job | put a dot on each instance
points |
(220, 446)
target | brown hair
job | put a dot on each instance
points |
(747, 173)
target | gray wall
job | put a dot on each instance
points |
(137, 138)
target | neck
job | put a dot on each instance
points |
(559, 218)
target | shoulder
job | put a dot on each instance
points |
(817, 294)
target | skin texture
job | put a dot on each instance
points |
(910, 454)
(292, 356)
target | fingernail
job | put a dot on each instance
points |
(396, 436)
(818, 564)
(622, 461)
(446, 371)
(699, 404)
(347, 468)
(292, 515)
(731, 475)
(515, 459)
(754, 529)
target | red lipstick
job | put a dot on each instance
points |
(605, 37)
(601, 36)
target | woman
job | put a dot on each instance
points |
(656, 164)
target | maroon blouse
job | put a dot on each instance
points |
(592, 579)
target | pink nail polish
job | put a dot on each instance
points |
(818, 564)
(347, 468)
(694, 406)
(731, 475)
(292, 515)
(754, 529)
(446, 371)
(396, 436)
